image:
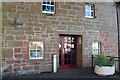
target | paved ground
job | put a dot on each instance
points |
(79, 74)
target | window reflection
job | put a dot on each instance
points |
(89, 10)
(48, 6)
(60, 48)
(96, 48)
(72, 39)
(36, 50)
(65, 39)
(69, 39)
(72, 45)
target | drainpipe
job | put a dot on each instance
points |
(117, 12)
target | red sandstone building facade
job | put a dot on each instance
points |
(34, 31)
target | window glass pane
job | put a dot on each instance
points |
(60, 48)
(36, 50)
(52, 2)
(33, 54)
(69, 50)
(60, 45)
(65, 50)
(44, 1)
(72, 50)
(39, 53)
(48, 1)
(32, 45)
(48, 6)
(72, 39)
(72, 45)
(52, 8)
(96, 48)
(69, 46)
(65, 45)
(69, 39)
(40, 45)
(44, 8)
(65, 39)
(87, 7)
(89, 10)
(87, 13)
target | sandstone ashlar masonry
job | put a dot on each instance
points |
(68, 19)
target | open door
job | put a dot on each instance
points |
(67, 52)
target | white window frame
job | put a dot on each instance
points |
(91, 11)
(42, 50)
(98, 48)
(48, 5)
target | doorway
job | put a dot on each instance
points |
(68, 51)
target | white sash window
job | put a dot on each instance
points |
(36, 50)
(89, 11)
(96, 48)
(48, 6)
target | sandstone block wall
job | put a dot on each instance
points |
(37, 26)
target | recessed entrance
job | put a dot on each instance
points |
(68, 51)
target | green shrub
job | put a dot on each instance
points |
(102, 60)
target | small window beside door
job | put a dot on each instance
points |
(36, 50)
(48, 6)
(96, 48)
(89, 10)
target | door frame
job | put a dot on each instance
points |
(76, 36)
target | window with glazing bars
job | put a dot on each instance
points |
(48, 6)
(89, 10)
